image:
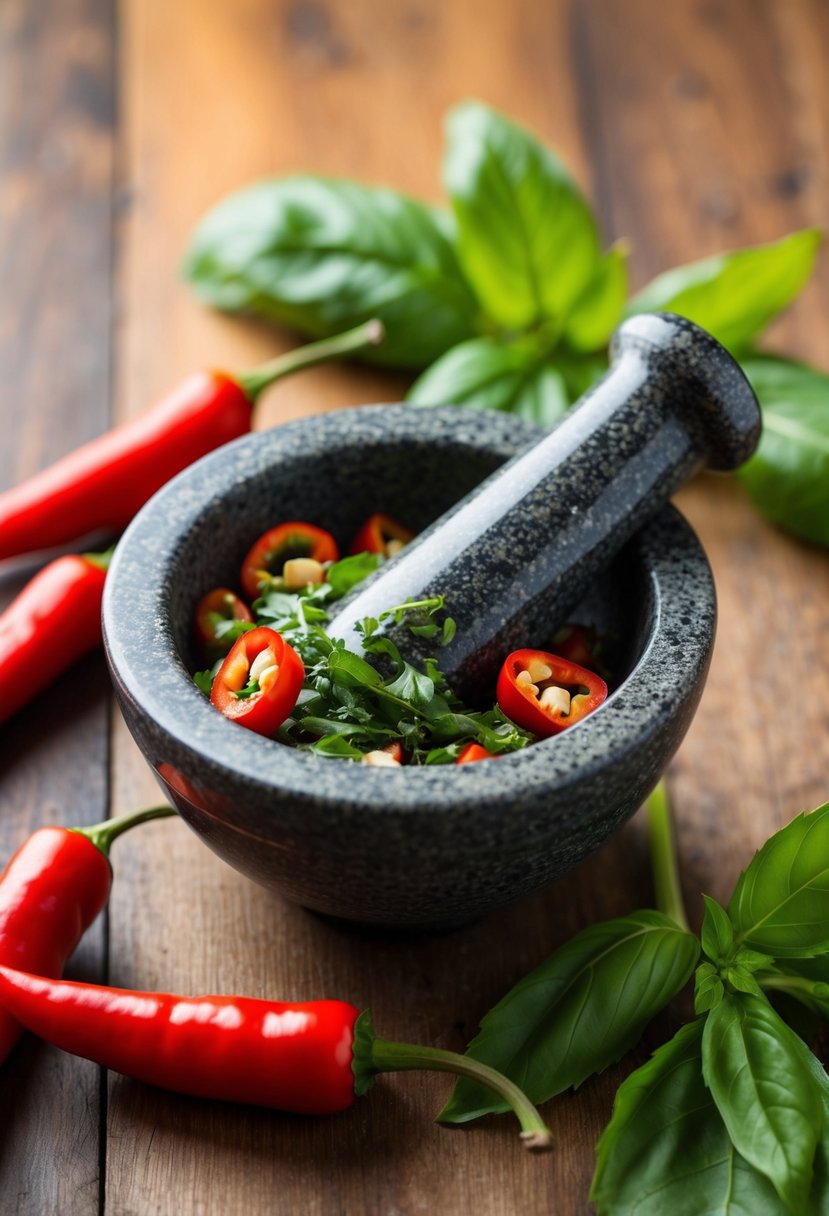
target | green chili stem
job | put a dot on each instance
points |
(663, 857)
(103, 834)
(348, 343)
(101, 560)
(404, 1057)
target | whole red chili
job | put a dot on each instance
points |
(546, 693)
(473, 752)
(312, 1058)
(102, 484)
(54, 620)
(381, 534)
(293, 551)
(50, 893)
(217, 607)
(258, 683)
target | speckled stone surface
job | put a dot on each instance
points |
(429, 846)
(521, 550)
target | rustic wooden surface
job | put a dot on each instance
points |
(695, 126)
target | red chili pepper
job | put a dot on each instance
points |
(312, 1058)
(258, 683)
(580, 644)
(54, 620)
(381, 534)
(473, 752)
(293, 542)
(546, 693)
(50, 893)
(102, 484)
(216, 607)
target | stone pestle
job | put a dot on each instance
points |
(515, 556)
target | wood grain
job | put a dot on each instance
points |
(57, 143)
(695, 126)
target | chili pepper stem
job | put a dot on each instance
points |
(101, 560)
(404, 1057)
(663, 857)
(371, 333)
(103, 834)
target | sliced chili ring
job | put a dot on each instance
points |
(545, 693)
(381, 534)
(473, 752)
(580, 644)
(220, 604)
(290, 542)
(258, 683)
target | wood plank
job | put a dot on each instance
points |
(706, 161)
(308, 86)
(56, 159)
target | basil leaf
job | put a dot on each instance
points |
(203, 680)
(583, 1008)
(734, 295)
(599, 308)
(493, 375)
(780, 904)
(351, 671)
(666, 1149)
(322, 255)
(336, 747)
(412, 686)
(766, 1092)
(708, 988)
(350, 571)
(788, 476)
(526, 237)
(717, 931)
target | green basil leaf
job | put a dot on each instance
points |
(788, 476)
(666, 1149)
(203, 680)
(580, 1010)
(526, 237)
(765, 1091)
(336, 747)
(412, 686)
(780, 904)
(322, 255)
(487, 374)
(350, 571)
(708, 988)
(351, 671)
(734, 295)
(717, 931)
(599, 308)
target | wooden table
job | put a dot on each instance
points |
(694, 125)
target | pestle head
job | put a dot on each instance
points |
(708, 387)
(516, 555)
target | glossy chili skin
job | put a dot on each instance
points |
(50, 893)
(268, 555)
(220, 604)
(266, 709)
(376, 533)
(292, 1057)
(473, 752)
(54, 620)
(102, 484)
(521, 702)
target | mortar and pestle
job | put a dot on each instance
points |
(520, 531)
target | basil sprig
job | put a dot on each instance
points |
(508, 301)
(731, 1115)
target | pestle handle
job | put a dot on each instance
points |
(517, 554)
